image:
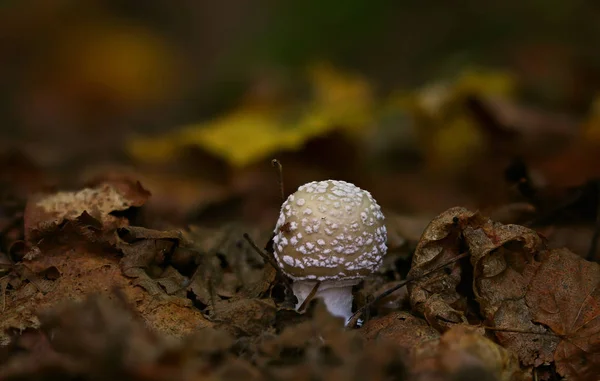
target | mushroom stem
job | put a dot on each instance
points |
(337, 297)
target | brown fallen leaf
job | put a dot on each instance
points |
(504, 262)
(564, 295)
(87, 269)
(89, 207)
(543, 304)
(401, 328)
(227, 267)
(463, 352)
(145, 259)
(435, 295)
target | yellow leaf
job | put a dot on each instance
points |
(449, 134)
(591, 128)
(248, 134)
(341, 98)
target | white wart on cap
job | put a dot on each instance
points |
(329, 231)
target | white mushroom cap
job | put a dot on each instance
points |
(330, 230)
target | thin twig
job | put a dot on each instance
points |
(270, 260)
(310, 296)
(279, 168)
(354, 318)
(512, 330)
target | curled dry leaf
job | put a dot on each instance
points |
(504, 261)
(523, 286)
(435, 295)
(542, 304)
(87, 207)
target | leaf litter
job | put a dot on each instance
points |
(96, 296)
(540, 303)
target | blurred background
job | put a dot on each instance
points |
(427, 104)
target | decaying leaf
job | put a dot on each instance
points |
(543, 304)
(564, 295)
(227, 268)
(89, 208)
(145, 258)
(504, 260)
(86, 269)
(435, 295)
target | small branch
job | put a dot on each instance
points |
(512, 330)
(269, 259)
(310, 296)
(352, 321)
(279, 168)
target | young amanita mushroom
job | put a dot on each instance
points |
(329, 231)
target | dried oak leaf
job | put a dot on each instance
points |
(464, 350)
(544, 304)
(564, 295)
(92, 206)
(435, 295)
(505, 259)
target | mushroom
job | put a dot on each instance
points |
(333, 232)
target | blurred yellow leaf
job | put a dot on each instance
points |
(591, 128)
(338, 101)
(341, 98)
(449, 135)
